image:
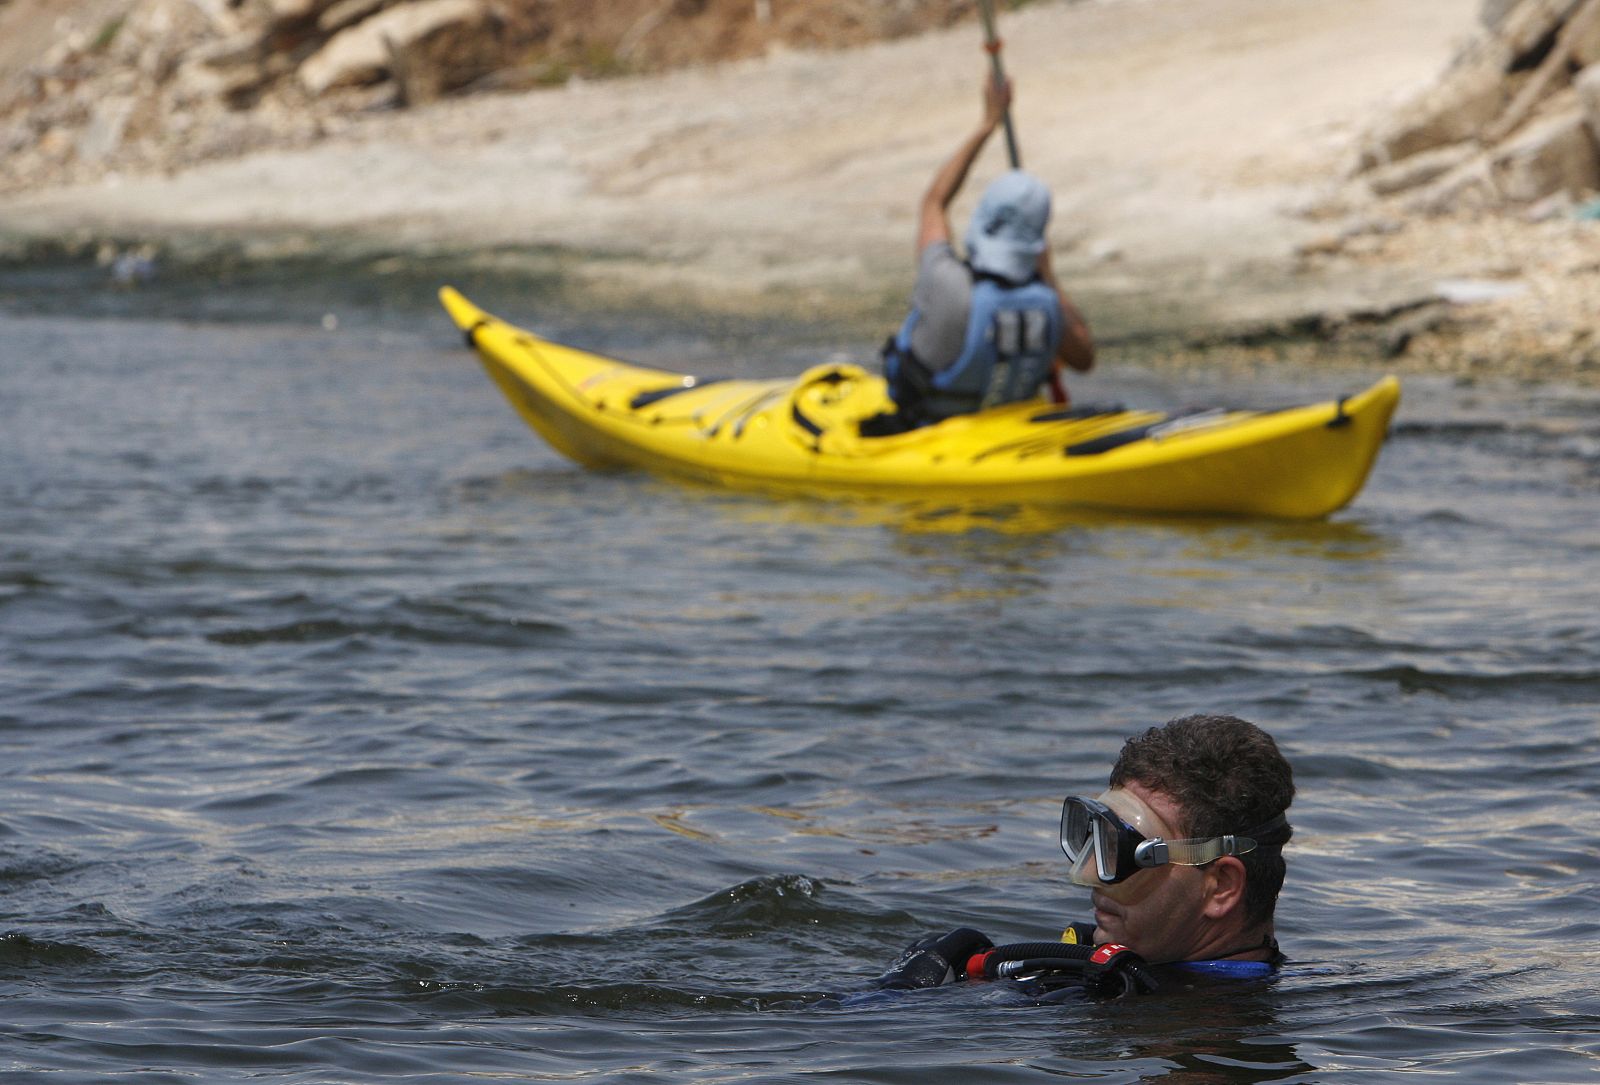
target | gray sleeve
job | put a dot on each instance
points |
(943, 298)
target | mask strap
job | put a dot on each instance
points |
(1198, 851)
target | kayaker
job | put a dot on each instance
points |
(1184, 857)
(994, 327)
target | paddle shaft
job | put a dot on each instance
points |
(992, 45)
(1058, 390)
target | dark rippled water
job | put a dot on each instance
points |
(350, 735)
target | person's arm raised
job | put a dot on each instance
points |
(933, 221)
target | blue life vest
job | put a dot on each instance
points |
(1013, 333)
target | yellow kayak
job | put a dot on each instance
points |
(803, 435)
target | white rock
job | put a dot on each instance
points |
(1105, 251)
(1470, 186)
(244, 48)
(360, 53)
(1419, 169)
(194, 81)
(345, 12)
(104, 134)
(1476, 291)
(1553, 207)
(287, 10)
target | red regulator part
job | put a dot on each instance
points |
(1103, 953)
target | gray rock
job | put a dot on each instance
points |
(1530, 23)
(1584, 39)
(1556, 154)
(245, 47)
(1469, 96)
(1588, 85)
(1494, 12)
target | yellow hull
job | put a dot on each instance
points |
(802, 434)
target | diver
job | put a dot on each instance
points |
(995, 327)
(1183, 854)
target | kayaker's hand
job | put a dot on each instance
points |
(996, 100)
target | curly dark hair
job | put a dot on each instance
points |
(1226, 776)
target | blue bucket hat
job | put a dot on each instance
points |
(1006, 234)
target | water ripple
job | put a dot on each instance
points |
(350, 735)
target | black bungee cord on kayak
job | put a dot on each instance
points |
(1104, 971)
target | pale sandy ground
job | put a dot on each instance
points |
(1182, 138)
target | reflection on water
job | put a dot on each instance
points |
(351, 735)
(942, 516)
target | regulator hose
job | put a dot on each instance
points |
(1110, 970)
(1107, 971)
(1000, 962)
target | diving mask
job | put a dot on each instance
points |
(1106, 846)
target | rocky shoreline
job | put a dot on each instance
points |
(1491, 174)
(1199, 218)
(91, 89)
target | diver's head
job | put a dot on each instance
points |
(1185, 849)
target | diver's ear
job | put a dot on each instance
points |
(1225, 879)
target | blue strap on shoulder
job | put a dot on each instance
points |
(1240, 970)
